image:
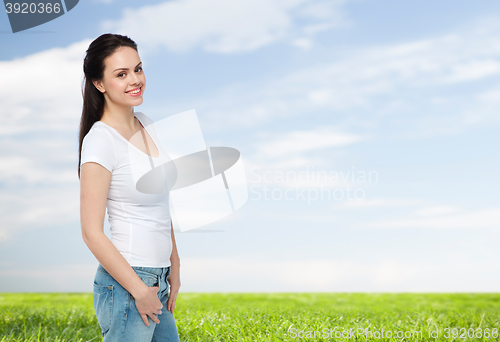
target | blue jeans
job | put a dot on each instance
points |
(118, 316)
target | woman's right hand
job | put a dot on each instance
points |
(148, 304)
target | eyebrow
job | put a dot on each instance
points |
(127, 68)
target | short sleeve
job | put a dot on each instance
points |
(98, 146)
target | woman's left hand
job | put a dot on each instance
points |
(174, 279)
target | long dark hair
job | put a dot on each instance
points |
(93, 69)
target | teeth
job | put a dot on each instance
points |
(135, 91)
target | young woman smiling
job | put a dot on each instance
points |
(139, 268)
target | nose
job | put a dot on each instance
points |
(136, 80)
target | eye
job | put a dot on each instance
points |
(139, 68)
(122, 73)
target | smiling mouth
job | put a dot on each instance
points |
(134, 92)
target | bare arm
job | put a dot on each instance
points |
(94, 187)
(174, 279)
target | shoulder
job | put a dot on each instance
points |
(99, 133)
(99, 137)
(99, 146)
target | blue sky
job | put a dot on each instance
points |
(408, 91)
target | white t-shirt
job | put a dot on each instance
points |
(139, 222)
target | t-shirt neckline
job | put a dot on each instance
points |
(156, 145)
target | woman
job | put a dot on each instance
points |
(139, 268)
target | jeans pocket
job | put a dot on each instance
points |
(166, 291)
(150, 279)
(103, 305)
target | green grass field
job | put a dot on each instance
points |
(271, 317)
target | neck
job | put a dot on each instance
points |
(116, 116)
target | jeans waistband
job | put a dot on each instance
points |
(153, 270)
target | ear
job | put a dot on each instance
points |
(98, 85)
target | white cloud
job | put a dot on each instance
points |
(48, 278)
(415, 82)
(485, 218)
(491, 95)
(303, 43)
(436, 210)
(322, 9)
(33, 207)
(316, 275)
(290, 163)
(3, 235)
(379, 203)
(288, 159)
(299, 142)
(315, 28)
(472, 70)
(41, 107)
(238, 274)
(221, 26)
(43, 92)
(352, 81)
(486, 109)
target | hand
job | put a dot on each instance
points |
(148, 304)
(174, 279)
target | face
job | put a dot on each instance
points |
(124, 81)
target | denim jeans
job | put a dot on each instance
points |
(118, 316)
